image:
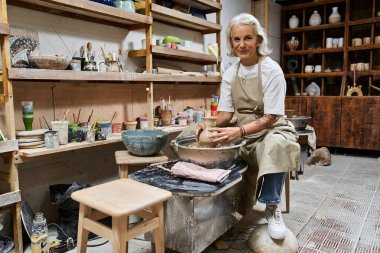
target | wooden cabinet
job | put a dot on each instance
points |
(330, 45)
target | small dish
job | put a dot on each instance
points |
(311, 93)
(304, 94)
(297, 94)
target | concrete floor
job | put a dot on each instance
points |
(332, 209)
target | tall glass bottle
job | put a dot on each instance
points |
(40, 243)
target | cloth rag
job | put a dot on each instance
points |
(193, 171)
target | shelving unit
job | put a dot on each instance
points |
(8, 148)
(186, 21)
(98, 14)
(334, 113)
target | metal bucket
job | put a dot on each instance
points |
(220, 157)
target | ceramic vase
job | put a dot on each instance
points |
(205, 138)
(293, 21)
(315, 19)
(335, 16)
(292, 44)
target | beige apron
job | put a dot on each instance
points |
(271, 150)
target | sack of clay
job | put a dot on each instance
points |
(320, 156)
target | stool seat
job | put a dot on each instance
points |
(121, 197)
(127, 161)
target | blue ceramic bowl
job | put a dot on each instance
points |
(144, 142)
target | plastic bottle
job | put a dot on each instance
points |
(39, 237)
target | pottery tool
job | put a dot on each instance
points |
(89, 118)
(39, 119)
(52, 98)
(46, 122)
(113, 117)
(103, 54)
(74, 118)
(78, 115)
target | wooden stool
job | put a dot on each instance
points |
(119, 199)
(126, 161)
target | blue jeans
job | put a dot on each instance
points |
(272, 187)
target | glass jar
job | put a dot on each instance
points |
(127, 5)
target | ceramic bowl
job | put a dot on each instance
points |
(144, 142)
(219, 157)
(49, 62)
(299, 122)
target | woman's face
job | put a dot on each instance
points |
(245, 43)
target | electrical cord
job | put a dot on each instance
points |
(70, 243)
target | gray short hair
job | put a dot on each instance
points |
(248, 19)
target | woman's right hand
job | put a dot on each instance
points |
(199, 130)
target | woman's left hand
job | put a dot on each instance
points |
(225, 135)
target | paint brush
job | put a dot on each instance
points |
(39, 119)
(75, 119)
(89, 118)
(78, 115)
(46, 122)
(113, 117)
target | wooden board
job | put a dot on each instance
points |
(187, 187)
(8, 146)
(87, 10)
(175, 54)
(207, 6)
(22, 74)
(183, 20)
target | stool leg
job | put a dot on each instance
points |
(123, 170)
(119, 231)
(159, 233)
(287, 192)
(84, 211)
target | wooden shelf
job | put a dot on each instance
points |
(366, 47)
(322, 74)
(37, 152)
(183, 20)
(175, 54)
(311, 4)
(10, 198)
(8, 146)
(364, 21)
(68, 147)
(4, 29)
(312, 28)
(314, 51)
(22, 74)
(89, 11)
(207, 6)
(364, 73)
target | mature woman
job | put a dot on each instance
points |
(254, 89)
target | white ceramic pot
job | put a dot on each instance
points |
(293, 21)
(335, 16)
(315, 19)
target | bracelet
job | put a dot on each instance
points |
(242, 131)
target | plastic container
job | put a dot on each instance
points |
(143, 123)
(182, 120)
(62, 128)
(39, 238)
(116, 127)
(130, 125)
(51, 139)
(106, 128)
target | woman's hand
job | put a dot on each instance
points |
(225, 135)
(199, 130)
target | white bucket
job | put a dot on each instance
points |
(62, 128)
